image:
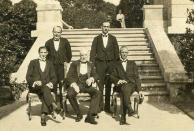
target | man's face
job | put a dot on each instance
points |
(57, 33)
(83, 56)
(105, 27)
(124, 53)
(43, 53)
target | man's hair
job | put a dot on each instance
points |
(105, 22)
(57, 27)
(123, 47)
(42, 47)
(83, 50)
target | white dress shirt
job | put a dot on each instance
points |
(42, 65)
(83, 68)
(56, 45)
(105, 40)
(124, 63)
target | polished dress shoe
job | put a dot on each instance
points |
(131, 113)
(43, 121)
(53, 115)
(78, 118)
(108, 111)
(123, 120)
(90, 119)
(58, 110)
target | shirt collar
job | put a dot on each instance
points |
(43, 60)
(104, 35)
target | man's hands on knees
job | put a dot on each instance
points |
(37, 83)
(120, 82)
(89, 81)
(50, 85)
(75, 86)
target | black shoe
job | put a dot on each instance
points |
(131, 113)
(123, 120)
(43, 121)
(58, 110)
(78, 118)
(53, 115)
(108, 111)
(90, 119)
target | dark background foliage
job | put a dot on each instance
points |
(132, 9)
(16, 23)
(91, 13)
(87, 13)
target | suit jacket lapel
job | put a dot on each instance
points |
(101, 41)
(88, 69)
(108, 42)
(78, 68)
(38, 66)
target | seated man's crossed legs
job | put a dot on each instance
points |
(48, 102)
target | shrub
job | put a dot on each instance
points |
(17, 21)
(87, 13)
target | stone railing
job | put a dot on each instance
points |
(171, 67)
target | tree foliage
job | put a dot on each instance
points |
(87, 13)
(132, 9)
(184, 44)
(16, 23)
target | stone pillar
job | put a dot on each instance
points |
(153, 16)
(178, 16)
(48, 15)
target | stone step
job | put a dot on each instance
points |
(130, 48)
(89, 40)
(81, 36)
(121, 43)
(134, 53)
(145, 61)
(153, 85)
(113, 32)
(151, 72)
(99, 29)
(145, 77)
(136, 58)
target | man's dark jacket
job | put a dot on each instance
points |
(99, 52)
(130, 75)
(34, 73)
(63, 54)
(74, 72)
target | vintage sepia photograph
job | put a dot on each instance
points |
(96, 65)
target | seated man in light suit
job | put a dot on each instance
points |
(125, 77)
(41, 79)
(82, 77)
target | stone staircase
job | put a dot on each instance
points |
(152, 82)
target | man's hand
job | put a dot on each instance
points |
(50, 85)
(37, 83)
(89, 81)
(121, 82)
(75, 86)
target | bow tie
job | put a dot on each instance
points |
(43, 60)
(123, 61)
(83, 62)
(104, 35)
(56, 40)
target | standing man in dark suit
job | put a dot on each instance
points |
(125, 77)
(41, 79)
(104, 53)
(59, 52)
(82, 77)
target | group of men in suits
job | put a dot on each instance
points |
(46, 74)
